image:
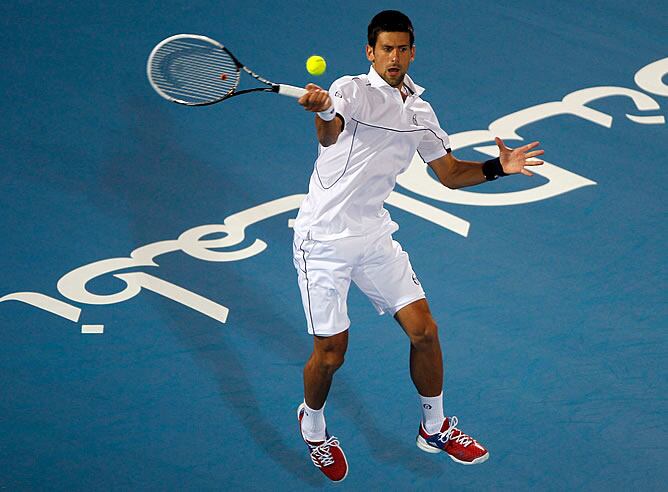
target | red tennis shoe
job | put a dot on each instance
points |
(459, 446)
(326, 455)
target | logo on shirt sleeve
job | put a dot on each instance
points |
(415, 120)
(338, 94)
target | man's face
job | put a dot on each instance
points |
(391, 56)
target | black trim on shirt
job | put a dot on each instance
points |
(447, 149)
(352, 142)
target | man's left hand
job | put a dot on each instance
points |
(513, 161)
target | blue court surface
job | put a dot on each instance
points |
(152, 335)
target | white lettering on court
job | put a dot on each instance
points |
(194, 242)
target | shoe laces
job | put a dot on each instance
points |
(449, 434)
(321, 455)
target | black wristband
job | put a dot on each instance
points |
(492, 169)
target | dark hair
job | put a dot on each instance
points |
(389, 21)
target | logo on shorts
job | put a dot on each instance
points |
(427, 406)
(415, 280)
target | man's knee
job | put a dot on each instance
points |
(419, 325)
(424, 334)
(329, 353)
(330, 361)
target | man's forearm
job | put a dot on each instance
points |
(465, 173)
(328, 131)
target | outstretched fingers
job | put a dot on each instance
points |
(515, 160)
(529, 146)
(529, 155)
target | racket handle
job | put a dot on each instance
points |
(291, 90)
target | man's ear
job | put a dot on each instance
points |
(369, 53)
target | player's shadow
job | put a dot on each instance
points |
(158, 168)
(385, 445)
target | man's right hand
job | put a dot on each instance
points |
(316, 99)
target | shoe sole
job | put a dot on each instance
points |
(427, 448)
(299, 410)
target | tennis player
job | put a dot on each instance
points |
(369, 127)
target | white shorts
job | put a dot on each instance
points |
(377, 265)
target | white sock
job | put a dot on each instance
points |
(432, 413)
(313, 424)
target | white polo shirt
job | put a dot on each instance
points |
(353, 177)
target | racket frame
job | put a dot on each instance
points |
(283, 89)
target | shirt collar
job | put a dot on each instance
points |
(377, 81)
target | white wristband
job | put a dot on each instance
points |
(327, 115)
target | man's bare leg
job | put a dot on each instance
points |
(436, 433)
(326, 452)
(426, 358)
(328, 355)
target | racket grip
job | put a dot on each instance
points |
(291, 90)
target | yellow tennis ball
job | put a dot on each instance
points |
(316, 65)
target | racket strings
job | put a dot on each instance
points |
(198, 76)
(194, 71)
(189, 68)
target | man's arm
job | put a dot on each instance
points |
(317, 100)
(455, 173)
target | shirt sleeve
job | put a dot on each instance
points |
(436, 142)
(345, 94)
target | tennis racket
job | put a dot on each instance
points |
(197, 71)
